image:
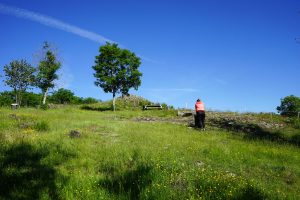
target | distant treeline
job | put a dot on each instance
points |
(30, 99)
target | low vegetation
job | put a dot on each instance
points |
(72, 153)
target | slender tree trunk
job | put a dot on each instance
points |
(16, 94)
(114, 101)
(45, 96)
(20, 98)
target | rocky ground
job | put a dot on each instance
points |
(247, 122)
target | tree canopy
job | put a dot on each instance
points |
(116, 70)
(19, 76)
(63, 96)
(47, 69)
(290, 106)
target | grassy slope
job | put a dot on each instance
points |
(116, 157)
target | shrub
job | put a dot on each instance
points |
(97, 107)
(42, 126)
(62, 96)
(31, 99)
(90, 100)
(44, 106)
(6, 98)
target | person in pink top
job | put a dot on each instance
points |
(200, 114)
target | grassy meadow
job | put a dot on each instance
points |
(115, 156)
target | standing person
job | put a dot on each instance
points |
(200, 114)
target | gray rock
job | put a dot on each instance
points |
(74, 134)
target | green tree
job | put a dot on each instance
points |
(90, 100)
(116, 70)
(19, 76)
(290, 106)
(77, 100)
(47, 69)
(31, 99)
(62, 96)
(6, 98)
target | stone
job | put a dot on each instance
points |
(74, 134)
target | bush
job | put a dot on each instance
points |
(6, 98)
(62, 96)
(31, 99)
(42, 126)
(296, 123)
(97, 107)
(89, 100)
(44, 106)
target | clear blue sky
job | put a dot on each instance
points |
(238, 55)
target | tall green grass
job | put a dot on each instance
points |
(117, 157)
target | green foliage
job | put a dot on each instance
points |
(28, 98)
(81, 100)
(89, 100)
(31, 99)
(44, 106)
(42, 126)
(77, 100)
(97, 107)
(130, 102)
(297, 124)
(290, 106)
(164, 106)
(19, 76)
(116, 70)
(65, 96)
(62, 96)
(6, 98)
(47, 69)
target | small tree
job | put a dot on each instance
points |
(290, 106)
(47, 69)
(19, 76)
(116, 70)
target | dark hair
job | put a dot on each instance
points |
(198, 100)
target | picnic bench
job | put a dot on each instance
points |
(148, 107)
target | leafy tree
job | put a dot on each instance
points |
(89, 100)
(28, 98)
(31, 99)
(6, 98)
(62, 96)
(116, 70)
(47, 69)
(19, 76)
(290, 106)
(77, 100)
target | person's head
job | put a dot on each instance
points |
(198, 100)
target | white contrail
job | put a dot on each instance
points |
(54, 23)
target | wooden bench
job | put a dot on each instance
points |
(147, 107)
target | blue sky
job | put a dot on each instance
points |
(238, 55)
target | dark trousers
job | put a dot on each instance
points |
(200, 119)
